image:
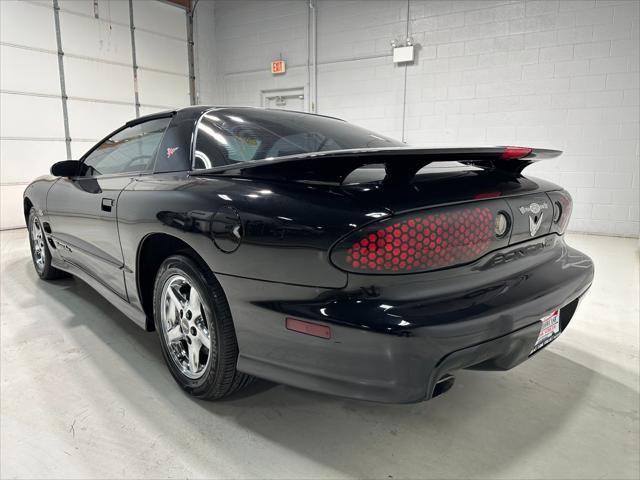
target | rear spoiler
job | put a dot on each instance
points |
(400, 163)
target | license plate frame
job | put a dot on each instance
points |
(549, 330)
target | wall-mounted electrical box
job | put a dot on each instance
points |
(403, 54)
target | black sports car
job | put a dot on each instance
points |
(304, 250)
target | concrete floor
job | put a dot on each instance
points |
(85, 394)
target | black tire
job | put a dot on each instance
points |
(219, 378)
(40, 254)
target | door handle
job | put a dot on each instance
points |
(107, 203)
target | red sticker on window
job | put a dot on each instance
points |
(171, 151)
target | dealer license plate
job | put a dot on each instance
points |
(549, 330)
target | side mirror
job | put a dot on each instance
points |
(66, 168)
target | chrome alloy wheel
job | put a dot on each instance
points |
(37, 244)
(185, 326)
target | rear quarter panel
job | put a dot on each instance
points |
(287, 230)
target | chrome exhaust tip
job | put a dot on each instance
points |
(443, 385)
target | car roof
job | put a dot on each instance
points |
(240, 108)
(197, 110)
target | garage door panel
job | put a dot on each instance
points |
(24, 160)
(19, 67)
(147, 110)
(108, 10)
(11, 201)
(27, 24)
(31, 117)
(43, 3)
(161, 53)
(161, 18)
(93, 38)
(163, 89)
(94, 120)
(98, 80)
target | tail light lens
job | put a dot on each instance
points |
(514, 153)
(562, 206)
(422, 241)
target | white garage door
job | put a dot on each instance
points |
(31, 127)
(99, 80)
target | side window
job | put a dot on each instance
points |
(130, 150)
(216, 146)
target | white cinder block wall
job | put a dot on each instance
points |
(554, 74)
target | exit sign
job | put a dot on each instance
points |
(278, 67)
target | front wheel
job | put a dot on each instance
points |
(40, 253)
(193, 321)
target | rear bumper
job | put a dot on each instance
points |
(393, 337)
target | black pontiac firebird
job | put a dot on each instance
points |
(304, 250)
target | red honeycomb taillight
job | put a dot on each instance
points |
(420, 241)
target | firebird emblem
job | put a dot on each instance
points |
(535, 226)
(534, 208)
(535, 221)
(171, 151)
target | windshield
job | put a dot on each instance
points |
(228, 136)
